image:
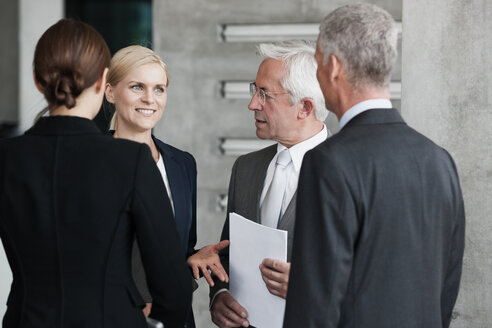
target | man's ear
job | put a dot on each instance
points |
(307, 107)
(36, 83)
(334, 68)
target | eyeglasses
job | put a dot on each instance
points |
(262, 94)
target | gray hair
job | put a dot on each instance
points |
(300, 66)
(364, 37)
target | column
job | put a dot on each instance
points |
(447, 95)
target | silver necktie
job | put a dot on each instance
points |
(275, 197)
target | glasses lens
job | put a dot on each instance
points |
(261, 93)
(252, 89)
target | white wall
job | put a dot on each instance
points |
(35, 17)
(5, 281)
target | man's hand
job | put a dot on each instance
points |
(227, 312)
(206, 259)
(275, 274)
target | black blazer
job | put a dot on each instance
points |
(181, 174)
(69, 243)
(381, 239)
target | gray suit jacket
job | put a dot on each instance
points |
(250, 170)
(381, 239)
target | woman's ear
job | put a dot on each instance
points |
(108, 89)
(307, 107)
(101, 82)
(109, 93)
(36, 83)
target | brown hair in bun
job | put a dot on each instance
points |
(69, 57)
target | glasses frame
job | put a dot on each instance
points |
(253, 90)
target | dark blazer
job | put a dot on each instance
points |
(69, 243)
(245, 187)
(381, 239)
(181, 174)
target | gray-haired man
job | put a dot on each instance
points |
(289, 108)
(381, 239)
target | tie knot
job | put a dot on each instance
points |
(283, 158)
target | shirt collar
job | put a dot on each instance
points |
(298, 150)
(362, 107)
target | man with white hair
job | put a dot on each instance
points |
(289, 108)
(381, 239)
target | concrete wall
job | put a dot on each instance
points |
(185, 35)
(447, 95)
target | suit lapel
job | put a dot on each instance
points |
(287, 220)
(177, 183)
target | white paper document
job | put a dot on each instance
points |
(250, 244)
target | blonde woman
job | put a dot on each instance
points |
(137, 86)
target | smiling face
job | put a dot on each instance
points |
(277, 118)
(139, 98)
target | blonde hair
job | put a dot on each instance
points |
(127, 59)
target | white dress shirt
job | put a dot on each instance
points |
(293, 169)
(362, 107)
(162, 169)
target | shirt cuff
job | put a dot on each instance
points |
(213, 298)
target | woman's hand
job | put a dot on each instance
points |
(206, 259)
(146, 309)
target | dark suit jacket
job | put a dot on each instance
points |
(245, 187)
(69, 243)
(181, 174)
(381, 239)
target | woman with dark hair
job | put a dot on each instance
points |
(68, 244)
